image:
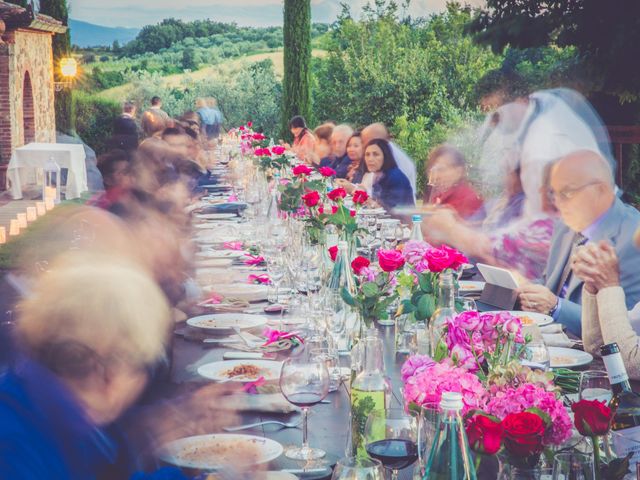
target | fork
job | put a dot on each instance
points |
(259, 424)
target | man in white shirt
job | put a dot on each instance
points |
(405, 164)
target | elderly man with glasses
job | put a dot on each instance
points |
(582, 188)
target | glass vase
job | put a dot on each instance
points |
(534, 471)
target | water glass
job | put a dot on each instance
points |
(595, 385)
(573, 466)
(358, 468)
(429, 417)
(536, 355)
(331, 360)
(466, 304)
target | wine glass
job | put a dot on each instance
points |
(391, 436)
(595, 385)
(304, 381)
(536, 355)
(574, 466)
(466, 304)
(358, 468)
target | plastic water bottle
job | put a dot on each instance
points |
(416, 230)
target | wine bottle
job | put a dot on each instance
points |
(625, 403)
(450, 456)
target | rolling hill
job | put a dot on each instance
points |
(86, 34)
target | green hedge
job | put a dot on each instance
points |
(94, 119)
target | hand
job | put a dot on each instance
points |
(442, 219)
(597, 265)
(346, 184)
(537, 298)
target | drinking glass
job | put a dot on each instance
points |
(595, 385)
(466, 304)
(276, 270)
(391, 436)
(388, 234)
(358, 468)
(330, 357)
(573, 466)
(304, 381)
(429, 416)
(536, 355)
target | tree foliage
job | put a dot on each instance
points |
(296, 96)
(606, 35)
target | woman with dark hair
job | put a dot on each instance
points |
(448, 184)
(356, 170)
(390, 187)
(303, 140)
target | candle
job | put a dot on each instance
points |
(3, 235)
(22, 220)
(40, 208)
(48, 203)
(49, 192)
(31, 214)
(14, 227)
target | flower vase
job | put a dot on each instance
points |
(510, 469)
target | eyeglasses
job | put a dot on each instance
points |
(568, 193)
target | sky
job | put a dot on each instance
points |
(137, 13)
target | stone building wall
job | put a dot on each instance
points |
(26, 53)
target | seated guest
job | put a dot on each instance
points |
(303, 140)
(88, 336)
(583, 191)
(322, 147)
(605, 316)
(446, 170)
(338, 159)
(125, 129)
(357, 170)
(391, 188)
(116, 174)
(405, 164)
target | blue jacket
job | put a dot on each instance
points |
(340, 165)
(44, 434)
(393, 190)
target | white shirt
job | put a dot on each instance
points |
(405, 164)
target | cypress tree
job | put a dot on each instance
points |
(296, 96)
(65, 114)
(21, 3)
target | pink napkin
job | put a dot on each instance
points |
(232, 245)
(253, 260)
(260, 279)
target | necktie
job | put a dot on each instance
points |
(561, 290)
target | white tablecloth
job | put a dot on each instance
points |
(25, 160)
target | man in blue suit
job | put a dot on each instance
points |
(583, 190)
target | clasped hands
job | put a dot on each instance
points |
(596, 264)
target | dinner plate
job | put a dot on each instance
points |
(220, 253)
(529, 318)
(219, 371)
(213, 262)
(223, 323)
(562, 357)
(216, 216)
(212, 452)
(240, 291)
(469, 286)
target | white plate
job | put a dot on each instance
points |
(216, 216)
(540, 319)
(568, 357)
(220, 253)
(217, 371)
(211, 452)
(241, 291)
(469, 286)
(213, 262)
(223, 323)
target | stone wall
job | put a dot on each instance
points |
(26, 52)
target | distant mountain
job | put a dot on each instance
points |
(86, 34)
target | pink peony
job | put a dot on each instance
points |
(414, 251)
(415, 364)
(469, 320)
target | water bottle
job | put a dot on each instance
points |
(450, 457)
(416, 230)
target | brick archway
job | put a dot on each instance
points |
(28, 110)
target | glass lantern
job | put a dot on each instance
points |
(51, 181)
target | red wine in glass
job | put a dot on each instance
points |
(394, 453)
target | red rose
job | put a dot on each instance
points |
(241, 128)
(438, 259)
(258, 136)
(334, 209)
(278, 150)
(592, 417)
(249, 124)
(302, 170)
(333, 253)
(327, 171)
(311, 199)
(320, 209)
(262, 152)
(523, 433)
(352, 213)
(337, 193)
(484, 434)
(457, 258)
(359, 263)
(360, 196)
(390, 260)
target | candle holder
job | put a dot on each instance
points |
(14, 227)
(22, 220)
(49, 204)
(40, 208)
(32, 214)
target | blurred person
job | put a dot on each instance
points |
(125, 129)
(88, 336)
(404, 162)
(605, 315)
(178, 140)
(211, 118)
(390, 188)
(115, 168)
(338, 158)
(303, 140)
(322, 146)
(155, 120)
(448, 185)
(357, 169)
(583, 191)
